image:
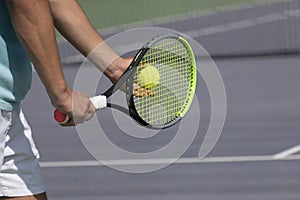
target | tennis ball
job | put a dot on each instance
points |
(148, 76)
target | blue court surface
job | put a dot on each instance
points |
(258, 154)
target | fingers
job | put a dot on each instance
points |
(91, 111)
(139, 91)
(88, 116)
(79, 108)
(81, 118)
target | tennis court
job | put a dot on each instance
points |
(256, 47)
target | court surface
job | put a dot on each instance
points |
(257, 156)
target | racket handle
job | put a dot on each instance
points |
(98, 101)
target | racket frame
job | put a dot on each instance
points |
(189, 98)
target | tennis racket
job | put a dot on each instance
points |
(170, 98)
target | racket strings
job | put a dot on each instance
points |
(172, 60)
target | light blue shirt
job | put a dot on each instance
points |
(15, 66)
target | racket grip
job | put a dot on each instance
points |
(98, 101)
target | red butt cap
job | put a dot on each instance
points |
(60, 117)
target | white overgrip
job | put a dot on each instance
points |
(99, 101)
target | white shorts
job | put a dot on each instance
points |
(19, 158)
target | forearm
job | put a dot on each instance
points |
(74, 25)
(33, 24)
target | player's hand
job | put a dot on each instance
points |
(78, 106)
(120, 65)
(140, 91)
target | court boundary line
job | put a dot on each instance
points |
(242, 24)
(204, 31)
(177, 18)
(287, 152)
(191, 160)
(182, 17)
(192, 14)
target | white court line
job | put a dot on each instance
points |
(232, 26)
(207, 31)
(246, 23)
(195, 160)
(287, 152)
(193, 14)
(186, 16)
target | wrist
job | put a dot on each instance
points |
(60, 95)
(117, 68)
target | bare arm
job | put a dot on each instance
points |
(33, 23)
(74, 25)
(34, 27)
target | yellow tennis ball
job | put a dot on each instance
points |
(148, 76)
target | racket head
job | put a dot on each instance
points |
(173, 58)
